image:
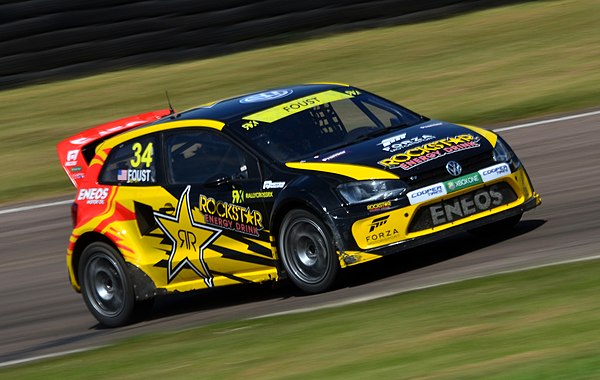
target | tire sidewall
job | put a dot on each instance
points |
(126, 313)
(332, 259)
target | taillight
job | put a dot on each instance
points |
(74, 213)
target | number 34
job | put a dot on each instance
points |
(141, 158)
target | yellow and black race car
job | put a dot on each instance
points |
(295, 182)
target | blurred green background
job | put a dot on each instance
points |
(500, 64)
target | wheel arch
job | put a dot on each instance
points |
(82, 242)
(143, 285)
(307, 204)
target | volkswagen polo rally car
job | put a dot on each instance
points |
(295, 182)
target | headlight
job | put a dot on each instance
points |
(502, 153)
(371, 191)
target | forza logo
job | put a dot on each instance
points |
(382, 236)
(378, 223)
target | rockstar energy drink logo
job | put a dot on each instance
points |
(231, 216)
(428, 152)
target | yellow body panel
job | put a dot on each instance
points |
(358, 172)
(147, 252)
(297, 105)
(396, 225)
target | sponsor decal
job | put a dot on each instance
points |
(334, 155)
(237, 196)
(298, 105)
(93, 196)
(273, 184)
(188, 238)
(249, 125)
(456, 184)
(75, 169)
(396, 143)
(390, 140)
(430, 125)
(426, 193)
(430, 151)
(465, 205)
(493, 172)
(379, 206)
(72, 157)
(465, 181)
(378, 222)
(266, 96)
(380, 235)
(134, 175)
(231, 216)
(352, 92)
(259, 195)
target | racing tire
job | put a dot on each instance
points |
(106, 287)
(497, 228)
(307, 252)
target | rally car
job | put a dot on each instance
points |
(295, 182)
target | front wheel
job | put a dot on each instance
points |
(307, 252)
(105, 285)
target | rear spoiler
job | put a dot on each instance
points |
(76, 152)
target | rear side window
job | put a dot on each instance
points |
(132, 163)
(199, 156)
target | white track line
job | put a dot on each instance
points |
(548, 121)
(353, 300)
(389, 293)
(518, 126)
(33, 207)
(336, 304)
(48, 356)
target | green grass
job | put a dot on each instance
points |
(494, 65)
(536, 324)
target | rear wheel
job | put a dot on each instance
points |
(106, 287)
(307, 251)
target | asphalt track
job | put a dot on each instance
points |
(41, 315)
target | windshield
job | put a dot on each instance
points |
(312, 131)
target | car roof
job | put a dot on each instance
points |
(220, 113)
(234, 108)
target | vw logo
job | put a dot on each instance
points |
(454, 168)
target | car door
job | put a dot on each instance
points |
(219, 218)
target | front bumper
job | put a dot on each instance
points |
(390, 232)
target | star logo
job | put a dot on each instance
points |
(189, 240)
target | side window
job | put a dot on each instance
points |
(198, 156)
(132, 163)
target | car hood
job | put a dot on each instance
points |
(412, 150)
